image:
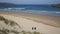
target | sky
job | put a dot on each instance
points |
(32, 1)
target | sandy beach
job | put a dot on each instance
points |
(44, 23)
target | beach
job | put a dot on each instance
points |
(45, 24)
(46, 19)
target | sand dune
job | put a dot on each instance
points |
(27, 24)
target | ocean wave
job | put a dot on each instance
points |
(58, 12)
(42, 11)
(48, 11)
(13, 8)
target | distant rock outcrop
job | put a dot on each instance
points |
(56, 5)
(5, 3)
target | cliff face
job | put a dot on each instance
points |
(5, 3)
(56, 5)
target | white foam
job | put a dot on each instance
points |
(58, 12)
(14, 8)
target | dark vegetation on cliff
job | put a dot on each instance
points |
(56, 5)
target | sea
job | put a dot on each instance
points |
(35, 9)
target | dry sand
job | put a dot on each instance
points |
(44, 24)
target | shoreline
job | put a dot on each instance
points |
(45, 19)
(52, 13)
